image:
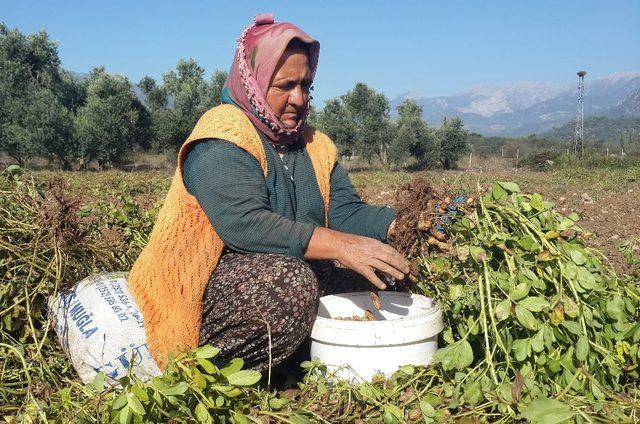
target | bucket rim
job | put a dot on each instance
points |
(416, 328)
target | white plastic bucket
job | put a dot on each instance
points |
(405, 333)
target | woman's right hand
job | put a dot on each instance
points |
(363, 255)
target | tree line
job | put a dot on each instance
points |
(45, 111)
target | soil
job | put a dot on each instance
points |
(611, 217)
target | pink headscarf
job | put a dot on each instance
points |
(257, 54)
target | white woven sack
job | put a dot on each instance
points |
(100, 328)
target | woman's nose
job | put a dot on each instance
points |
(297, 97)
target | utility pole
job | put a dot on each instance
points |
(578, 144)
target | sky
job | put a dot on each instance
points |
(430, 47)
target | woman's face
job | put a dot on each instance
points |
(289, 89)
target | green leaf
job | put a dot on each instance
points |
(219, 401)
(574, 217)
(207, 351)
(478, 253)
(207, 365)
(473, 392)
(427, 410)
(98, 382)
(521, 349)
(407, 369)
(244, 378)
(14, 170)
(277, 403)
(296, 418)
(577, 257)
(232, 367)
(134, 404)
(503, 310)
(125, 415)
(534, 303)
(307, 365)
(202, 414)
(529, 244)
(389, 418)
(140, 393)
(615, 308)
(369, 391)
(198, 379)
(497, 192)
(394, 410)
(537, 342)
(176, 390)
(510, 186)
(571, 271)
(458, 355)
(585, 278)
(157, 397)
(240, 418)
(526, 318)
(551, 235)
(547, 411)
(520, 291)
(119, 402)
(538, 203)
(570, 308)
(582, 348)
(574, 327)
(321, 388)
(565, 224)
(228, 391)
(158, 383)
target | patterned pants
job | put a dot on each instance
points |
(250, 296)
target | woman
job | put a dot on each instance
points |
(257, 211)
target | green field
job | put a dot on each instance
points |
(59, 227)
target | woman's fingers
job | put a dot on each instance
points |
(387, 269)
(368, 273)
(391, 256)
(366, 255)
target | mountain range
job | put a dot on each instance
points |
(531, 107)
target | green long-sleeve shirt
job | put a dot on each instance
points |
(274, 214)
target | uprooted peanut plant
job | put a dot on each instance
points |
(537, 326)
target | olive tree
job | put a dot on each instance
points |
(112, 121)
(413, 138)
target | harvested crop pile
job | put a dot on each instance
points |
(422, 212)
(538, 327)
(375, 299)
(368, 316)
(532, 313)
(47, 241)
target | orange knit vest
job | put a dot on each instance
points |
(169, 277)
